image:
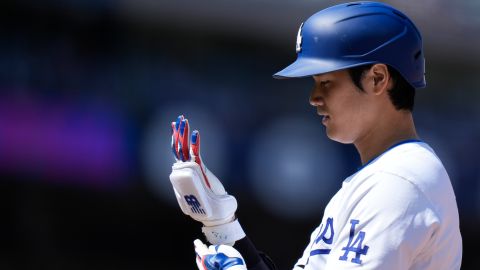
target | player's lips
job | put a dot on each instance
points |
(325, 119)
(325, 116)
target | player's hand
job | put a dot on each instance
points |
(199, 192)
(218, 257)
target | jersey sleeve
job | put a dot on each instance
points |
(387, 226)
(254, 259)
(302, 262)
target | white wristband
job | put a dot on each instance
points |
(225, 234)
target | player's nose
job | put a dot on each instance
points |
(316, 98)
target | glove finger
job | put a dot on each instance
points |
(180, 143)
(195, 152)
(176, 135)
(178, 121)
(195, 147)
(184, 140)
(200, 264)
(200, 251)
(200, 248)
(174, 147)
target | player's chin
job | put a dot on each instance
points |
(338, 136)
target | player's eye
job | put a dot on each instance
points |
(325, 83)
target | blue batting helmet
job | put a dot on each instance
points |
(354, 34)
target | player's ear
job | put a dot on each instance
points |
(379, 78)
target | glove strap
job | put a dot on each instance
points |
(225, 234)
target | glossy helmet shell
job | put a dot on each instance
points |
(354, 34)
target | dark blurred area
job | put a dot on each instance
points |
(88, 90)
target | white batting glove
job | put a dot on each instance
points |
(218, 257)
(199, 192)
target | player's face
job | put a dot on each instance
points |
(347, 111)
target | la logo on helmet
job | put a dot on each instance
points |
(298, 47)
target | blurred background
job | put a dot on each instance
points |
(88, 89)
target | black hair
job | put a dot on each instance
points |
(402, 93)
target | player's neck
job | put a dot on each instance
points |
(386, 133)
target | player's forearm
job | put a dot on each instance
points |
(254, 259)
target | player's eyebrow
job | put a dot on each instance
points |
(324, 83)
(321, 78)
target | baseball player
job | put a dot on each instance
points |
(398, 211)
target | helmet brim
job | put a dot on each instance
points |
(305, 67)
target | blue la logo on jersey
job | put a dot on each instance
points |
(194, 204)
(325, 236)
(355, 245)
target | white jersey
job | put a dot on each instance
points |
(397, 212)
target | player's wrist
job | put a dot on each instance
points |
(226, 233)
(218, 222)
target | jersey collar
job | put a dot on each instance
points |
(390, 148)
